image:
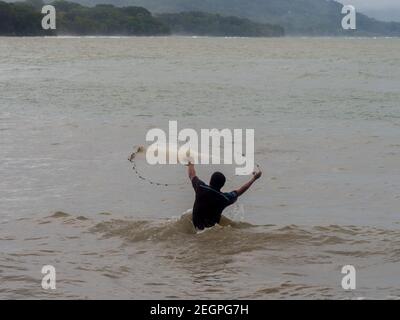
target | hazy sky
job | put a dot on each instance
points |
(375, 4)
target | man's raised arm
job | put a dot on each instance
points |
(191, 171)
(246, 186)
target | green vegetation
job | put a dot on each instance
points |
(74, 19)
(24, 19)
(202, 24)
(296, 17)
(20, 19)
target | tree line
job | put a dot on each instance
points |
(24, 19)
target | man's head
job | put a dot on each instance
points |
(217, 180)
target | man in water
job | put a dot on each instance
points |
(210, 201)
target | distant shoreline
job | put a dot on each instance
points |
(25, 18)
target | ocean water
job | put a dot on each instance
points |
(326, 114)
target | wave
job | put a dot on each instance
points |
(181, 226)
(174, 228)
(179, 237)
(232, 237)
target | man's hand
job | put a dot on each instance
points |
(257, 175)
(245, 187)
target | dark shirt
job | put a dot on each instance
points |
(209, 204)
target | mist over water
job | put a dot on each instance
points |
(327, 124)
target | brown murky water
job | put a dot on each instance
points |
(327, 120)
